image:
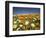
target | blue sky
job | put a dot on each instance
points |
(24, 10)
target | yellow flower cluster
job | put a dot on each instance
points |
(26, 22)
